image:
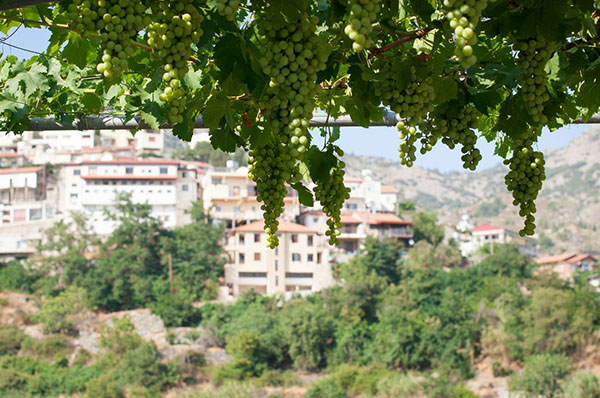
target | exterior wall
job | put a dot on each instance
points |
(296, 265)
(527, 246)
(12, 159)
(20, 240)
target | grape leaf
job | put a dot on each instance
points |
(304, 195)
(445, 90)
(29, 81)
(224, 139)
(92, 102)
(76, 51)
(215, 110)
(185, 129)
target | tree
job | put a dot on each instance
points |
(425, 228)
(505, 68)
(541, 377)
(382, 257)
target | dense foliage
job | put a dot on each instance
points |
(255, 71)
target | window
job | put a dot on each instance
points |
(185, 187)
(309, 240)
(241, 257)
(252, 274)
(298, 275)
(242, 238)
(74, 196)
(294, 238)
(276, 280)
(217, 180)
(163, 170)
(256, 256)
(276, 265)
(296, 257)
(152, 139)
(351, 206)
(92, 170)
(310, 258)
(76, 172)
(128, 170)
(184, 174)
(256, 238)
(319, 258)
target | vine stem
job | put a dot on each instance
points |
(409, 37)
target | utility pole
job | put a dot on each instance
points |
(171, 273)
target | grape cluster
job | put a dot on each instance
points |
(463, 17)
(363, 14)
(525, 180)
(292, 55)
(458, 130)
(228, 8)
(269, 166)
(177, 26)
(332, 193)
(532, 58)
(412, 103)
(407, 149)
(117, 22)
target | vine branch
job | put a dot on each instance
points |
(410, 36)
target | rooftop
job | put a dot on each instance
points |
(373, 219)
(129, 177)
(21, 170)
(485, 227)
(284, 226)
(561, 258)
(388, 189)
(148, 161)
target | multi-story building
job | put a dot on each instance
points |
(93, 186)
(158, 142)
(566, 265)
(356, 226)
(12, 159)
(28, 204)
(368, 195)
(299, 264)
(229, 196)
(477, 237)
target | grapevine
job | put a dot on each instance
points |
(363, 14)
(525, 180)
(228, 8)
(117, 22)
(532, 58)
(463, 17)
(331, 193)
(177, 27)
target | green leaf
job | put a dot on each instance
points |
(92, 102)
(215, 110)
(77, 50)
(152, 114)
(320, 163)
(30, 81)
(185, 129)
(224, 139)
(304, 195)
(445, 90)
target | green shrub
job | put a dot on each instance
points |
(368, 378)
(82, 358)
(177, 309)
(12, 380)
(103, 386)
(326, 388)
(119, 337)
(143, 392)
(11, 339)
(583, 385)
(15, 277)
(52, 347)
(4, 302)
(277, 378)
(403, 386)
(56, 313)
(541, 376)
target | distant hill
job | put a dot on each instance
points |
(568, 207)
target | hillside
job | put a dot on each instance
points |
(568, 207)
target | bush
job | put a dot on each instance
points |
(11, 339)
(12, 380)
(143, 392)
(326, 388)
(177, 309)
(14, 276)
(142, 366)
(277, 378)
(56, 312)
(399, 386)
(542, 376)
(119, 337)
(52, 347)
(103, 386)
(583, 385)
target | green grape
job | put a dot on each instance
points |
(524, 180)
(457, 129)
(463, 17)
(291, 56)
(363, 14)
(228, 8)
(176, 26)
(331, 193)
(116, 22)
(532, 57)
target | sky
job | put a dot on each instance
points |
(375, 141)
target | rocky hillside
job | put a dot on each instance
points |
(568, 208)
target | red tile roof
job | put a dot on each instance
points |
(561, 258)
(373, 219)
(388, 189)
(284, 226)
(352, 179)
(581, 257)
(129, 177)
(10, 155)
(133, 161)
(485, 227)
(20, 170)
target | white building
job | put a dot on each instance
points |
(158, 142)
(92, 186)
(229, 196)
(477, 237)
(299, 264)
(367, 195)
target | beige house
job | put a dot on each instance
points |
(300, 263)
(477, 237)
(566, 265)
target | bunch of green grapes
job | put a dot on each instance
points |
(270, 167)
(117, 22)
(176, 26)
(532, 58)
(228, 8)
(292, 55)
(363, 15)
(459, 129)
(412, 103)
(463, 17)
(525, 180)
(332, 193)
